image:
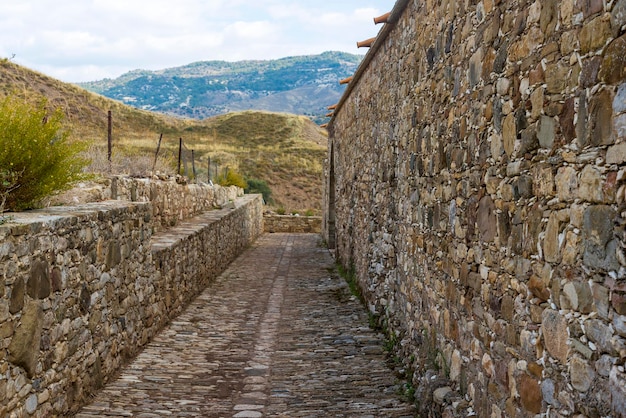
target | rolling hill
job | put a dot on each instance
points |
(303, 85)
(284, 150)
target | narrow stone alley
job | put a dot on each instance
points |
(277, 335)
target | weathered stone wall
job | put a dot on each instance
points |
(190, 255)
(292, 224)
(479, 188)
(171, 201)
(83, 288)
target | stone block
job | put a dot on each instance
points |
(581, 349)
(84, 299)
(582, 131)
(475, 68)
(487, 63)
(551, 245)
(600, 247)
(618, 301)
(24, 347)
(590, 70)
(543, 180)
(56, 279)
(555, 335)
(549, 16)
(17, 296)
(616, 154)
(113, 255)
(598, 224)
(524, 187)
(603, 365)
(509, 134)
(618, 15)
(617, 387)
(537, 102)
(619, 323)
(538, 288)
(569, 42)
(581, 374)
(590, 185)
(600, 296)
(529, 141)
(619, 102)
(594, 34)
(4, 311)
(536, 75)
(487, 222)
(548, 392)
(601, 258)
(508, 308)
(601, 114)
(546, 132)
(556, 78)
(619, 125)
(601, 334)
(566, 181)
(566, 120)
(530, 394)
(613, 68)
(39, 286)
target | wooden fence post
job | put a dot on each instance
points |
(156, 154)
(180, 153)
(110, 138)
(193, 165)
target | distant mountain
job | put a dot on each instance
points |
(303, 85)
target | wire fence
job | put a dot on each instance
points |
(185, 160)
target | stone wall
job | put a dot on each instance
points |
(85, 287)
(292, 224)
(476, 183)
(190, 255)
(172, 201)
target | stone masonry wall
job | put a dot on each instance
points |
(172, 202)
(292, 224)
(83, 288)
(190, 255)
(478, 164)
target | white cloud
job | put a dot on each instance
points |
(251, 30)
(81, 40)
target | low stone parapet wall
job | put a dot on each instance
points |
(292, 224)
(172, 201)
(83, 288)
(191, 254)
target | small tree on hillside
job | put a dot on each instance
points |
(260, 186)
(36, 158)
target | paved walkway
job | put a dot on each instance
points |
(277, 335)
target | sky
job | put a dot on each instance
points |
(87, 40)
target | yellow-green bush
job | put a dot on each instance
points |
(36, 158)
(231, 178)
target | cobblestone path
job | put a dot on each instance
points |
(277, 335)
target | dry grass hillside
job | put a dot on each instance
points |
(284, 150)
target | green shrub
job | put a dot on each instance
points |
(36, 158)
(259, 186)
(231, 178)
